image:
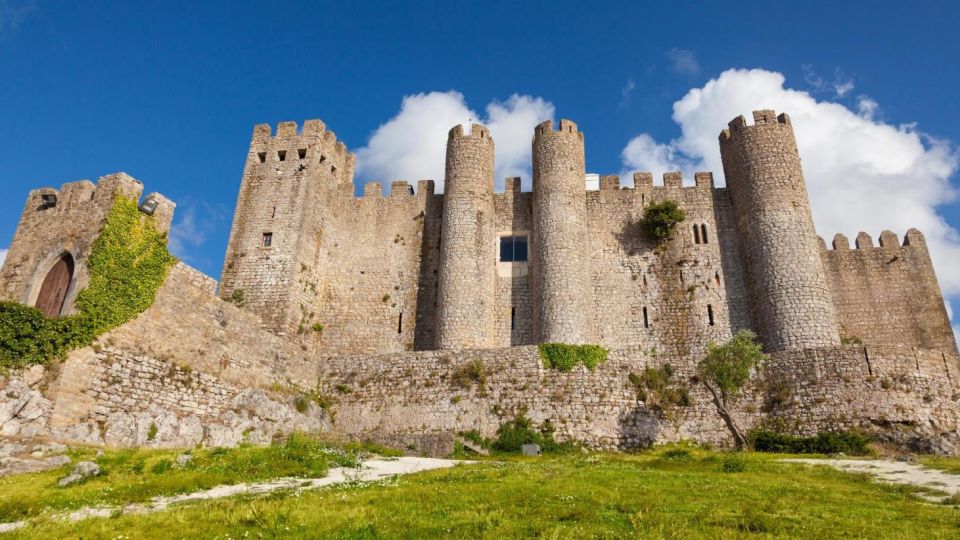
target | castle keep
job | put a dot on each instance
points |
(416, 270)
(372, 305)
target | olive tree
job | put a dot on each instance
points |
(725, 370)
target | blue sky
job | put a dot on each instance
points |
(169, 93)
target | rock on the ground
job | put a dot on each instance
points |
(10, 466)
(183, 460)
(81, 471)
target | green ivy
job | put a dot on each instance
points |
(564, 357)
(659, 219)
(128, 262)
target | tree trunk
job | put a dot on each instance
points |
(740, 440)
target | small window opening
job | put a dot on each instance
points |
(710, 314)
(322, 158)
(93, 195)
(274, 213)
(646, 320)
(716, 277)
(703, 233)
(696, 234)
(513, 318)
(262, 156)
(267, 239)
(400, 323)
(302, 153)
(282, 155)
(681, 277)
(644, 281)
(513, 249)
(333, 169)
(643, 198)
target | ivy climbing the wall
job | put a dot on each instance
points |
(563, 357)
(128, 262)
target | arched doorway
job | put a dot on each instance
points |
(53, 292)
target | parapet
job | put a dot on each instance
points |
(609, 183)
(760, 118)
(288, 133)
(400, 187)
(79, 195)
(477, 131)
(511, 184)
(566, 127)
(673, 180)
(888, 241)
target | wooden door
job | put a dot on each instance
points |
(53, 292)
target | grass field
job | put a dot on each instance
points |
(676, 492)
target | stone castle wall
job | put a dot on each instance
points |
(46, 233)
(888, 295)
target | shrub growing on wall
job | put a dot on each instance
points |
(659, 219)
(565, 357)
(128, 262)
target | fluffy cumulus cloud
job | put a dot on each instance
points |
(862, 174)
(412, 145)
(3, 256)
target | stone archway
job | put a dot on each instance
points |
(53, 292)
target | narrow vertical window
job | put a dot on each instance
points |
(282, 155)
(267, 239)
(716, 277)
(646, 320)
(274, 213)
(703, 232)
(400, 323)
(696, 234)
(513, 318)
(710, 314)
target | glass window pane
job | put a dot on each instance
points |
(506, 248)
(520, 248)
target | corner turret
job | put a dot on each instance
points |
(790, 299)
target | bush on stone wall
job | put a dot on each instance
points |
(564, 357)
(128, 262)
(831, 442)
(656, 388)
(512, 435)
(660, 218)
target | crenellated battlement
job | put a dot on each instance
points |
(566, 127)
(761, 119)
(477, 131)
(673, 181)
(888, 240)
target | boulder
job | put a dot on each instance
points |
(81, 471)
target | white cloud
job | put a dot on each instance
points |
(683, 62)
(626, 93)
(3, 256)
(862, 174)
(412, 145)
(193, 223)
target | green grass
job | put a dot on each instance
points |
(946, 464)
(679, 492)
(138, 475)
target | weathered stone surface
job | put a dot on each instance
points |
(81, 471)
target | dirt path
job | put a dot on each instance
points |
(371, 471)
(896, 472)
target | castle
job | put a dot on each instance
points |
(472, 269)
(378, 300)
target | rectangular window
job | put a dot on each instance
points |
(513, 249)
(267, 239)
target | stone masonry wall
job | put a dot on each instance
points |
(906, 396)
(888, 295)
(45, 233)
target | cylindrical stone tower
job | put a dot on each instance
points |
(560, 260)
(467, 287)
(792, 306)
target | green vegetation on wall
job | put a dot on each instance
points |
(565, 357)
(659, 219)
(512, 435)
(658, 391)
(128, 262)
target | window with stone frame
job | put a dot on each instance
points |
(513, 248)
